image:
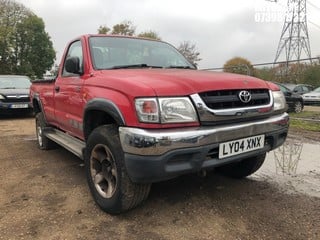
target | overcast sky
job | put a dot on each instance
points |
(220, 29)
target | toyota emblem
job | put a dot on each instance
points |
(244, 96)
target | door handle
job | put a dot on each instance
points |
(57, 88)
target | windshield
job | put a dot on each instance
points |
(122, 52)
(283, 88)
(290, 86)
(317, 90)
(14, 82)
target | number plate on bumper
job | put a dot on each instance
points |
(231, 148)
(19, 106)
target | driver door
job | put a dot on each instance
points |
(68, 95)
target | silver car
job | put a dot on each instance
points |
(312, 97)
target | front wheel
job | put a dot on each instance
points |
(244, 168)
(297, 108)
(109, 183)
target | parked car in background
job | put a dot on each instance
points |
(299, 88)
(294, 101)
(14, 94)
(312, 97)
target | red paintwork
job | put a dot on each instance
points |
(122, 86)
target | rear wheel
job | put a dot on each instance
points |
(107, 177)
(244, 168)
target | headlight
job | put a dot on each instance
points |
(165, 110)
(174, 110)
(279, 101)
(1, 97)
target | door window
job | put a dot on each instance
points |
(75, 50)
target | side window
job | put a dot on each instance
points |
(75, 50)
(299, 89)
(283, 89)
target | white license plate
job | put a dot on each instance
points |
(19, 106)
(228, 149)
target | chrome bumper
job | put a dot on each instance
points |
(158, 142)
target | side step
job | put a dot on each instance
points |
(70, 143)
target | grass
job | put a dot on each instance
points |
(297, 121)
(306, 114)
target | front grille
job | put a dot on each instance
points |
(228, 99)
(16, 99)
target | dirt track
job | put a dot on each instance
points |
(44, 195)
(312, 108)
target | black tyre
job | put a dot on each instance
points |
(109, 183)
(298, 107)
(44, 143)
(244, 168)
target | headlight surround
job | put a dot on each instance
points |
(165, 110)
(1, 97)
(177, 110)
(279, 101)
(147, 110)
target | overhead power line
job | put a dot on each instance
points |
(269, 63)
(290, 61)
(313, 5)
(294, 38)
(314, 24)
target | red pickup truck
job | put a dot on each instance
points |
(137, 112)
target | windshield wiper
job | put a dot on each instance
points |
(141, 65)
(9, 88)
(180, 67)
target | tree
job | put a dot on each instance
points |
(312, 75)
(35, 52)
(124, 28)
(127, 28)
(292, 73)
(189, 51)
(149, 34)
(239, 65)
(11, 13)
(103, 29)
(25, 47)
(264, 73)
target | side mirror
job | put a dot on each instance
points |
(72, 65)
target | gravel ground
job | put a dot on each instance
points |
(44, 195)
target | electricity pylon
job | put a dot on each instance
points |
(294, 37)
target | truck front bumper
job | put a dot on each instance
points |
(156, 155)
